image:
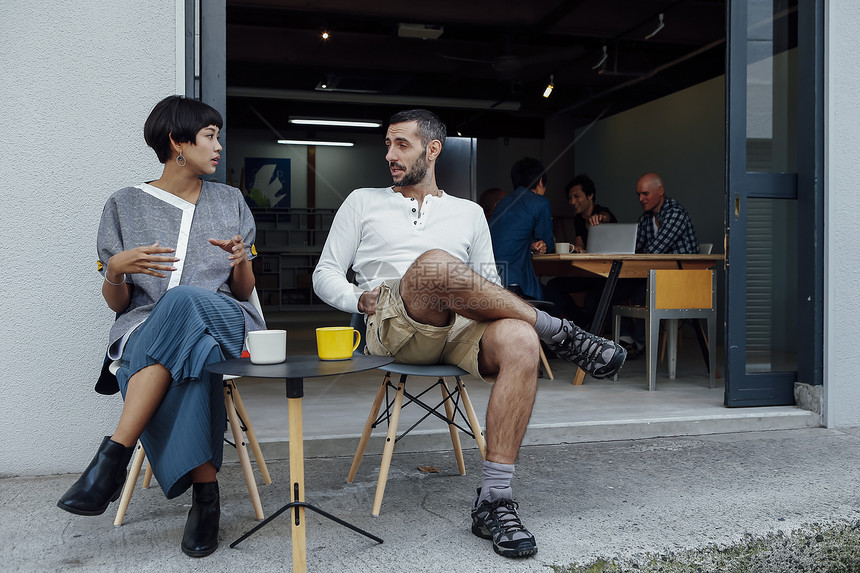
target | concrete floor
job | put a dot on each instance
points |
(588, 484)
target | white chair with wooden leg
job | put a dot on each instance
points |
(455, 401)
(243, 436)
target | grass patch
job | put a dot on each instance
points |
(817, 548)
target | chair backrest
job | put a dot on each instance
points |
(255, 300)
(706, 248)
(357, 322)
(681, 288)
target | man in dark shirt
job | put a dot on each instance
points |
(582, 196)
(521, 224)
(562, 291)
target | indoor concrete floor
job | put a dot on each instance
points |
(336, 408)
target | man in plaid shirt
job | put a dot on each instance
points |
(665, 226)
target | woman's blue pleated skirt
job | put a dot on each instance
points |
(188, 329)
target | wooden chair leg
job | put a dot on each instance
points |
(368, 428)
(474, 422)
(545, 363)
(128, 488)
(455, 435)
(389, 446)
(250, 434)
(242, 451)
(147, 475)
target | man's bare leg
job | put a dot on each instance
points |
(510, 351)
(438, 284)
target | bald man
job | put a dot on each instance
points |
(665, 226)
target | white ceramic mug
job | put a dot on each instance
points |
(564, 248)
(267, 346)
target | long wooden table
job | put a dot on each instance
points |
(614, 267)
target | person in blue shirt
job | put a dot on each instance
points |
(521, 224)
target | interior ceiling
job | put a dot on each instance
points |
(493, 58)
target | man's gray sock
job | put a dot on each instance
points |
(546, 325)
(496, 477)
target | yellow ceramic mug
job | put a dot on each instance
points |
(337, 342)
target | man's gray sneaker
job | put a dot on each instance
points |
(598, 356)
(497, 519)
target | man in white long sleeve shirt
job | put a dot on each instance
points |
(426, 279)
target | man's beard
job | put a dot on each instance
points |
(415, 175)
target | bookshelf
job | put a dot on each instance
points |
(289, 242)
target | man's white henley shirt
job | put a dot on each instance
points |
(379, 233)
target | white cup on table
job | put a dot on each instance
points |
(563, 248)
(267, 346)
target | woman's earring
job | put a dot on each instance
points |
(180, 161)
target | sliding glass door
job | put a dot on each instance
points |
(772, 272)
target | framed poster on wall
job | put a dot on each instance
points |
(267, 182)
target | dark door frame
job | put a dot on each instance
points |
(806, 187)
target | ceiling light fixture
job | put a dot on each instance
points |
(335, 122)
(312, 142)
(602, 60)
(421, 31)
(372, 99)
(325, 35)
(549, 87)
(657, 29)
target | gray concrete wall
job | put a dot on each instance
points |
(842, 215)
(78, 80)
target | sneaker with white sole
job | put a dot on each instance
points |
(497, 519)
(598, 356)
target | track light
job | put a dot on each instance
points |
(549, 87)
(657, 29)
(325, 35)
(334, 122)
(314, 142)
(602, 60)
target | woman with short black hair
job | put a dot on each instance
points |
(175, 255)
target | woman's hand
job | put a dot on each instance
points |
(234, 246)
(242, 279)
(538, 248)
(148, 260)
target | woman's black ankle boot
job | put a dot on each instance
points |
(102, 481)
(201, 529)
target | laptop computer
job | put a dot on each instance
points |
(612, 238)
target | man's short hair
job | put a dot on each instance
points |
(585, 182)
(527, 172)
(178, 117)
(430, 127)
